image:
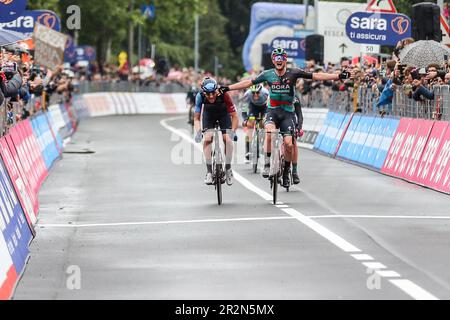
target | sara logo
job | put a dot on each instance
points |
(378, 28)
(303, 44)
(400, 25)
(10, 10)
(47, 19)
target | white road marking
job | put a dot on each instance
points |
(405, 285)
(388, 274)
(413, 290)
(362, 257)
(374, 265)
(324, 232)
(378, 217)
(123, 224)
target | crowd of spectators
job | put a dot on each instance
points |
(26, 88)
(381, 79)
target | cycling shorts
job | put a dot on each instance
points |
(283, 120)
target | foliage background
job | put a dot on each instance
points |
(224, 26)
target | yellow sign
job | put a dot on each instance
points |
(123, 58)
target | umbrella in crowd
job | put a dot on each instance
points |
(423, 53)
(8, 37)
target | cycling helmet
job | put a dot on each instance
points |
(209, 85)
(256, 88)
(279, 52)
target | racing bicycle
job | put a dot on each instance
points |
(256, 149)
(217, 162)
(277, 164)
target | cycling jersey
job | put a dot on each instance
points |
(282, 89)
(262, 98)
(220, 110)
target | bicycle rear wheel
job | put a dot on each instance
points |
(255, 153)
(219, 183)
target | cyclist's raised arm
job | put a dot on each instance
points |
(244, 84)
(332, 76)
(241, 85)
(198, 111)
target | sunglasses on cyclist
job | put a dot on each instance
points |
(279, 58)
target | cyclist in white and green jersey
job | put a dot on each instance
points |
(281, 111)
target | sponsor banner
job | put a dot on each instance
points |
(378, 28)
(84, 53)
(334, 133)
(397, 163)
(295, 47)
(23, 155)
(26, 22)
(360, 138)
(410, 162)
(347, 144)
(70, 54)
(324, 129)
(13, 224)
(23, 180)
(373, 142)
(23, 192)
(8, 274)
(29, 154)
(45, 140)
(386, 141)
(49, 46)
(429, 155)
(10, 10)
(313, 121)
(103, 104)
(396, 145)
(439, 177)
(37, 159)
(54, 131)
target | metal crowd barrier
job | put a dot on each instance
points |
(128, 86)
(366, 99)
(316, 98)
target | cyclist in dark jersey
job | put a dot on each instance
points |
(281, 112)
(212, 108)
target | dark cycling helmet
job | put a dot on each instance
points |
(279, 52)
(209, 85)
(256, 88)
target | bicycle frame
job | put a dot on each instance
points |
(257, 142)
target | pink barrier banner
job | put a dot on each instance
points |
(430, 153)
(29, 155)
(22, 158)
(20, 168)
(27, 200)
(8, 273)
(439, 177)
(397, 145)
(37, 159)
(412, 154)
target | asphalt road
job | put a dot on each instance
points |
(135, 221)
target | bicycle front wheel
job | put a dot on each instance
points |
(219, 183)
(275, 188)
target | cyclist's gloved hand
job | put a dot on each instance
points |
(244, 123)
(199, 137)
(344, 75)
(223, 90)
